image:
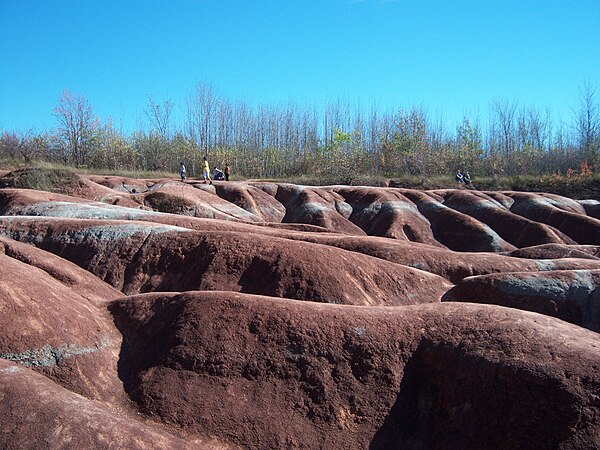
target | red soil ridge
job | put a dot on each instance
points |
(161, 314)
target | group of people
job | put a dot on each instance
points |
(463, 177)
(217, 173)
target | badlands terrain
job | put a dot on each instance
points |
(160, 314)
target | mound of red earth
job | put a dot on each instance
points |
(38, 413)
(571, 295)
(161, 314)
(268, 373)
(51, 321)
(553, 251)
(141, 257)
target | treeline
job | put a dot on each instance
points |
(337, 143)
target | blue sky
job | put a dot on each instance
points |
(450, 56)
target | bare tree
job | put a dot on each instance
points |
(78, 126)
(11, 145)
(505, 112)
(201, 107)
(587, 123)
(159, 116)
(279, 140)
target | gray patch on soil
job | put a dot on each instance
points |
(314, 207)
(359, 331)
(391, 208)
(433, 206)
(49, 356)
(344, 209)
(495, 239)
(581, 289)
(11, 369)
(399, 206)
(114, 232)
(480, 206)
(83, 211)
(371, 210)
(545, 265)
(589, 202)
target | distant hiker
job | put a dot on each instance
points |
(227, 172)
(459, 177)
(206, 171)
(182, 172)
(218, 174)
(466, 178)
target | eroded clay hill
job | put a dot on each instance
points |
(161, 314)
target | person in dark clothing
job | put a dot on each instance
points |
(227, 172)
(218, 174)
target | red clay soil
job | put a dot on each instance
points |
(458, 219)
(454, 229)
(38, 413)
(317, 207)
(454, 266)
(13, 201)
(591, 207)
(125, 185)
(195, 200)
(75, 186)
(449, 264)
(554, 251)
(568, 217)
(28, 202)
(571, 295)
(282, 316)
(387, 213)
(268, 373)
(140, 257)
(81, 282)
(170, 196)
(51, 321)
(253, 200)
(519, 231)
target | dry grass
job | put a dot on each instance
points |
(51, 180)
(575, 184)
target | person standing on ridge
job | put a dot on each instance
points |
(182, 172)
(459, 176)
(206, 171)
(227, 172)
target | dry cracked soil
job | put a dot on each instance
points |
(156, 314)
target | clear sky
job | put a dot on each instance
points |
(454, 56)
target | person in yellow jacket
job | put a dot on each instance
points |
(206, 171)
